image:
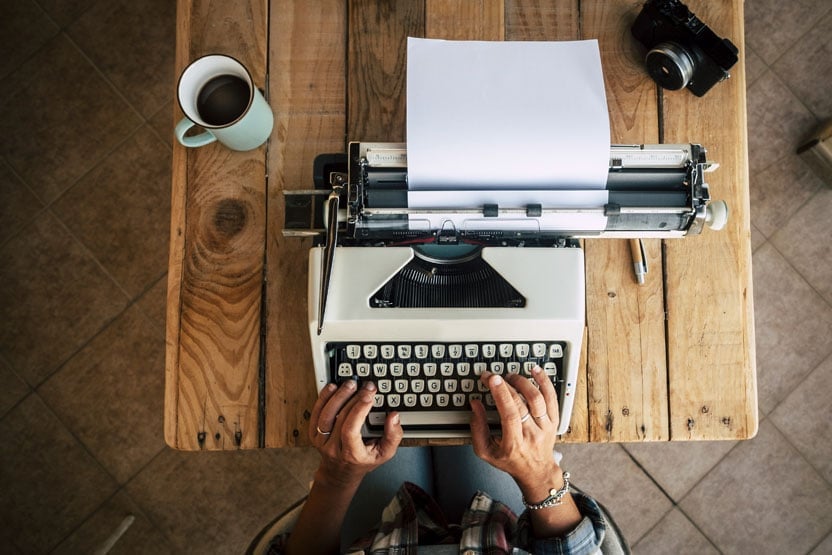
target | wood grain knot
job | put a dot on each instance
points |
(230, 217)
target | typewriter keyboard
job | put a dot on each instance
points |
(432, 384)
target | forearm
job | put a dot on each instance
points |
(318, 529)
(553, 521)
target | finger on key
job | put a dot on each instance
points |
(507, 407)
(547, 389)
(480, 433)
(537, 405)
(393, 434)
(327, 392)
(335, 404)
(349, 426)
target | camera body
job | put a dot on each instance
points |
(681, 50)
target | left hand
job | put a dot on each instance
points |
(335, 431)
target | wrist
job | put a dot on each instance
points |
(536, 487)
(337, 478)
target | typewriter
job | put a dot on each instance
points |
(423, 299)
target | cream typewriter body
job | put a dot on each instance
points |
(423, 299)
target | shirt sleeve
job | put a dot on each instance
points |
(586, 538)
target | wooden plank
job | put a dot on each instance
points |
(543, 20)
(376, 68)
(465, 19)
(179, 175)
(217, 255)
(712, 365)
(560, 20)
(627, 373)
(307, 72)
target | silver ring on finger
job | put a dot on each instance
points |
(323, 433)
(526, 417)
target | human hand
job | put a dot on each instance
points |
(335, 431)
(529, 418)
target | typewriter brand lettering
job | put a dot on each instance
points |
(383, 158)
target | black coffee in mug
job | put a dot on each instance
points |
(223, 99)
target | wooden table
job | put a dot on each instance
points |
(670, 360)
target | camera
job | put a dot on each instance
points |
(681, 50)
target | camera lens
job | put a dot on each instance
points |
(670, 65)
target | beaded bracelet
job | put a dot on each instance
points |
(555, 496)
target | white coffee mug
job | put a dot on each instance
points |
(217, 93)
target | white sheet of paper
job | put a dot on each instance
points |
(505, 115)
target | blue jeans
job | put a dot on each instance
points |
(452, 475)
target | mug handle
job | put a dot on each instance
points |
(197, 140)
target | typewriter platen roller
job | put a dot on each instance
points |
(652, 191)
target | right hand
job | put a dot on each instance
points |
(335, 431)
(525, 449)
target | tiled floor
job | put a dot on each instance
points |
(84, 204)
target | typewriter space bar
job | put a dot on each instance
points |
(454, 418)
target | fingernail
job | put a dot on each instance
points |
(350, 384)
(330, 387)
(496, 380)
(369, 386)
(396, 419)
(537, 369)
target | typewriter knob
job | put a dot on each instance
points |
(716, 214)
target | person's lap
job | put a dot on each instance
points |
(452, 475)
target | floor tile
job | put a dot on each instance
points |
(777, 122)
(754, 67)
(803, 63)
(771, 29)
(50, 483)
(111, 394)
(64, 12)
(757, 238)
(607, 473)
(133, 44)
(153, 302)
(804, 419)
(18, 205)
(214, 501)
(804, 242)
(793, 327)
(65, 119)
(824, 547)
(24, 29)
(302, 462)
(141, 537)
(674, 534)
(53, 296)
(14, 389)
(162, 123)
(762, 498)
(779, 191)
(678, 465)
(121, 211)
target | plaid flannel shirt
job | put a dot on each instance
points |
(413, 518)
